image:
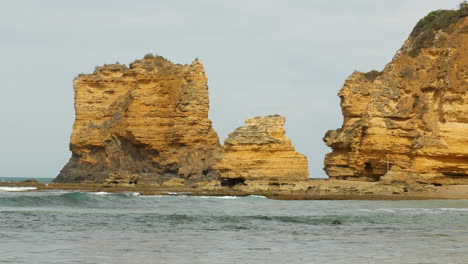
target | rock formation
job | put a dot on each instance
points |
(259, 150)
(410, 121)
(148, 123)
(149, 119)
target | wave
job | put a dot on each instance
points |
(437, 210)
(69, 199)
(228, 197)
(81, 199)
(175, 193)
(257, 196)
(223, 221)
(101, 193)
(187, 195)
(219, 197)
(17, 189)
(125, 194)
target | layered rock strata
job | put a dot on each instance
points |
(410, 121)
(144, 123)
(259, 150)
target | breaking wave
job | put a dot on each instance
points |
(17, 189)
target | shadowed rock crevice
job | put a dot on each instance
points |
(232, 182)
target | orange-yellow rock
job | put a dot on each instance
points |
(148, 119)
(259, 150)
(410, 121)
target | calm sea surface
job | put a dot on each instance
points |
(19, 179)
(78, 227)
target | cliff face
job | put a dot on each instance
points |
(410, 121)
(259, 150)
(144, 123)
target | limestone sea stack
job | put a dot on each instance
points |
(410, 121)
(143, 123)
(259, 150)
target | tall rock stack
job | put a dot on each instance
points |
(259, 150)
(410, 121)
(145, 123)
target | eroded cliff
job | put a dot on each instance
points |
(144, 123)
(259, 150)
(410, 121)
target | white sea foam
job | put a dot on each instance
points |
(17, 189)
(415, 210)
(219, 197)
(257, 196)
(168, 195)
(109, 193)
(175, 193)
(161, 196)
(454, 209)
(101, 193)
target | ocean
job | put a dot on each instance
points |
(85, 227)
(19, 179)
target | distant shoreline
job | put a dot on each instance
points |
(330, 190)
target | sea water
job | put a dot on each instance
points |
(86, 227)
(20, 179)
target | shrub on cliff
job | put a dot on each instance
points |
(372, 75)
(423, 33)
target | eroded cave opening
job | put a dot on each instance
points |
(231, 182)
(372, 173)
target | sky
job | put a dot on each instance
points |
(261, 57)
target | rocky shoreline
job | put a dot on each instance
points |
(312, 189)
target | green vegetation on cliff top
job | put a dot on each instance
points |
(423, 33)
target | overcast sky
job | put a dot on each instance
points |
(261, 57)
